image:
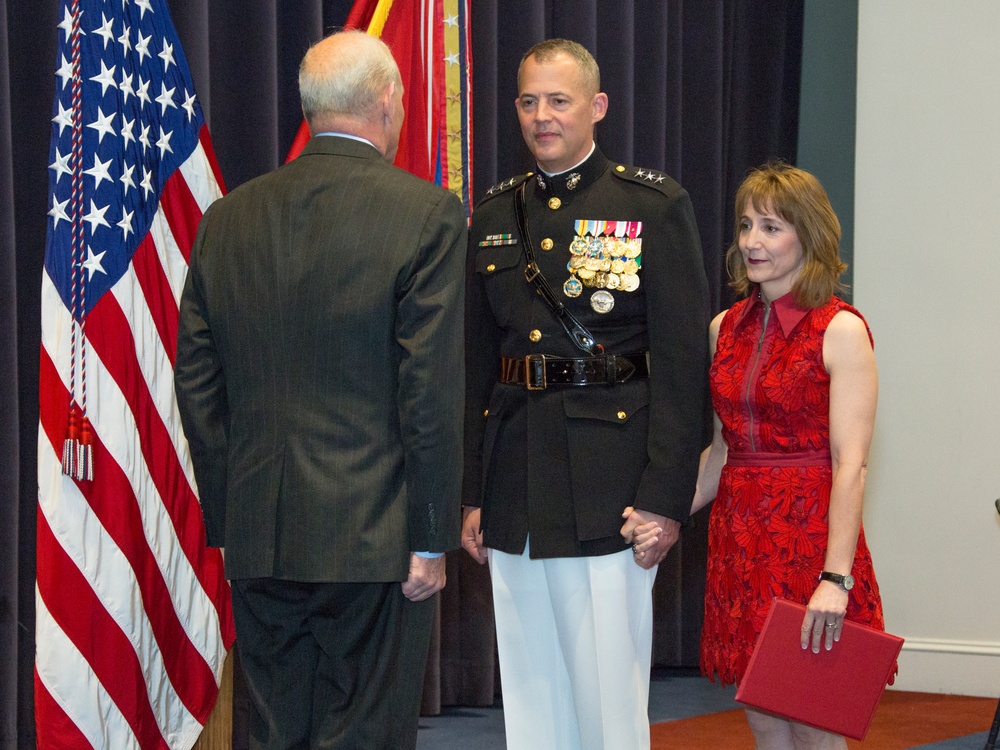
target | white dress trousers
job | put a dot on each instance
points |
(574, 635)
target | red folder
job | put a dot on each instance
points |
(834, 690)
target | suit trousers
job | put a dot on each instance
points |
(337, 666)
(574, 637)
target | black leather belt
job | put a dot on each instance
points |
(539, 371)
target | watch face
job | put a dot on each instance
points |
(848, 583)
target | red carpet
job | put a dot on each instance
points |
(902, 720)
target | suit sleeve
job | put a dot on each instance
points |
(678, 315)
(431, 387)
(200, 385)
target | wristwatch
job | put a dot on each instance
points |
(845, 582)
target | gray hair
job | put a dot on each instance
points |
(345, 74)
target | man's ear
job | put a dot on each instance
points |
(599, 107)
(388, 101)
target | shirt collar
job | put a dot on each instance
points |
(352, 137)
(574, 180)
(593, 145)
(786, 310)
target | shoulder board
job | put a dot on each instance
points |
(506, 185)
(651, 178)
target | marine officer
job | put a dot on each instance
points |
(586, 363)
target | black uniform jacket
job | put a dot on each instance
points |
(562, 463)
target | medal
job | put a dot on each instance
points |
(604, 255)
(572, 287)
(602, 301)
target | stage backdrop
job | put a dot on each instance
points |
(700, 90)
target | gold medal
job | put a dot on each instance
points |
(572, 287)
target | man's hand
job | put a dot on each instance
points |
(426, 577)
(472, 537)
(650, 535)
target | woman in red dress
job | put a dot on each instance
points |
(794, 388)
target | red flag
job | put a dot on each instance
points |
(133, 610)
(430, 41)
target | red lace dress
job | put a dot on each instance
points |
(768, 529)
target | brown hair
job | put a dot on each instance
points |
(798, 198)
(590, 74)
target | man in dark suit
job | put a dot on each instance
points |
(318, 376)
(585, 411)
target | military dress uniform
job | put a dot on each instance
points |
(559, 443)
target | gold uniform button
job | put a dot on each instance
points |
(486, 413)
(547, 244)
(535, 335)
(554, 203)
(619, 168)
(491, 268)
(622, 415)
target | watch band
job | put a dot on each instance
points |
(845, 582)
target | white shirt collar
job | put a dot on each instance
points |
(593, 145)
(352, 137)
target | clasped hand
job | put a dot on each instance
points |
(650, 535)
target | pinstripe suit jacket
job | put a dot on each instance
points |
(319, 368)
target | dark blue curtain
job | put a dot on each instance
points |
(702, 90)
(9, 426)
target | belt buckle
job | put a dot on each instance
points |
(533, 362)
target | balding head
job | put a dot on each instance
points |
(345, 75)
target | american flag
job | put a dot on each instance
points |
(133, 610)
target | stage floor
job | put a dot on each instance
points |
(690, 712)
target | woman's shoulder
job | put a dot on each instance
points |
(716, 323)
(846, 322)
